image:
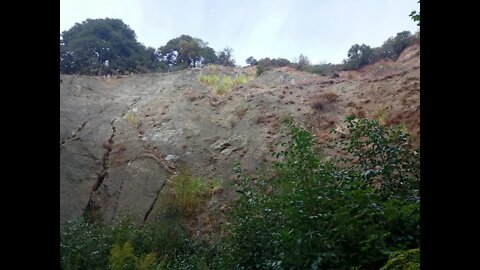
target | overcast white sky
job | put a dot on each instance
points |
(323, 30)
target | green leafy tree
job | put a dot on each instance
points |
(102, 46)
(394, 46)
(225, 57)
(251, 61)
(358, 56)
(186, 52)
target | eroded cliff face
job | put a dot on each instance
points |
(122, 138)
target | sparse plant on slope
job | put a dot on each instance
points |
(185, 194)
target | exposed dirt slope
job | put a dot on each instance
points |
(122, 138)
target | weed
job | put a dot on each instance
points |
(132, 118)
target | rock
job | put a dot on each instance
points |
(220, 145)
(227, 151)
(237, 142)
(226, 147)
(172, 158)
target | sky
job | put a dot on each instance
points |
(322, 30)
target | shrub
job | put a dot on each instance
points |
(403, 260)
(185, 194)
(260, 69)
(122, 257)
(320, 216)
(324, 69)
(126, 245)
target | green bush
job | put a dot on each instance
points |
(320, 216)
(324, 69)
(123, 244)
(260, 69)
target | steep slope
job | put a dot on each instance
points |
(122, 138)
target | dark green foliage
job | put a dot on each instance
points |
(384, 156)
(275, 62)
(265, 64)
(324, 69)
(88, 246)
(251, 61)
(225, 58)
(186, 52)
(415, 16)
(103, 46)
(358, 56)
(403, 260)
(394, 46)
(320, 216)
(260, 69)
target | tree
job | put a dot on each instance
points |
(251, 61)
(102, 46)
(393, 47)
(225, 57)
(275, 62)
(358, 56)
(303, 61)
(185, 52)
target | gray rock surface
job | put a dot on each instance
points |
(121, 139)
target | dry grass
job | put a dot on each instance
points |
(225, 84)
(320, 102)
(240, 111)
(187, 194)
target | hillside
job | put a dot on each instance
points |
(122, 138)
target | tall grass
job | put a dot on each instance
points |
(225, 84)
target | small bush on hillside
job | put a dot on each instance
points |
(185, 194)
(163, 244)
(319, 103)
(260, 69)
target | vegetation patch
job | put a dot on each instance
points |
(358, 212)
(224, 84)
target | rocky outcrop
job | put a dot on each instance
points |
(122, 138)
